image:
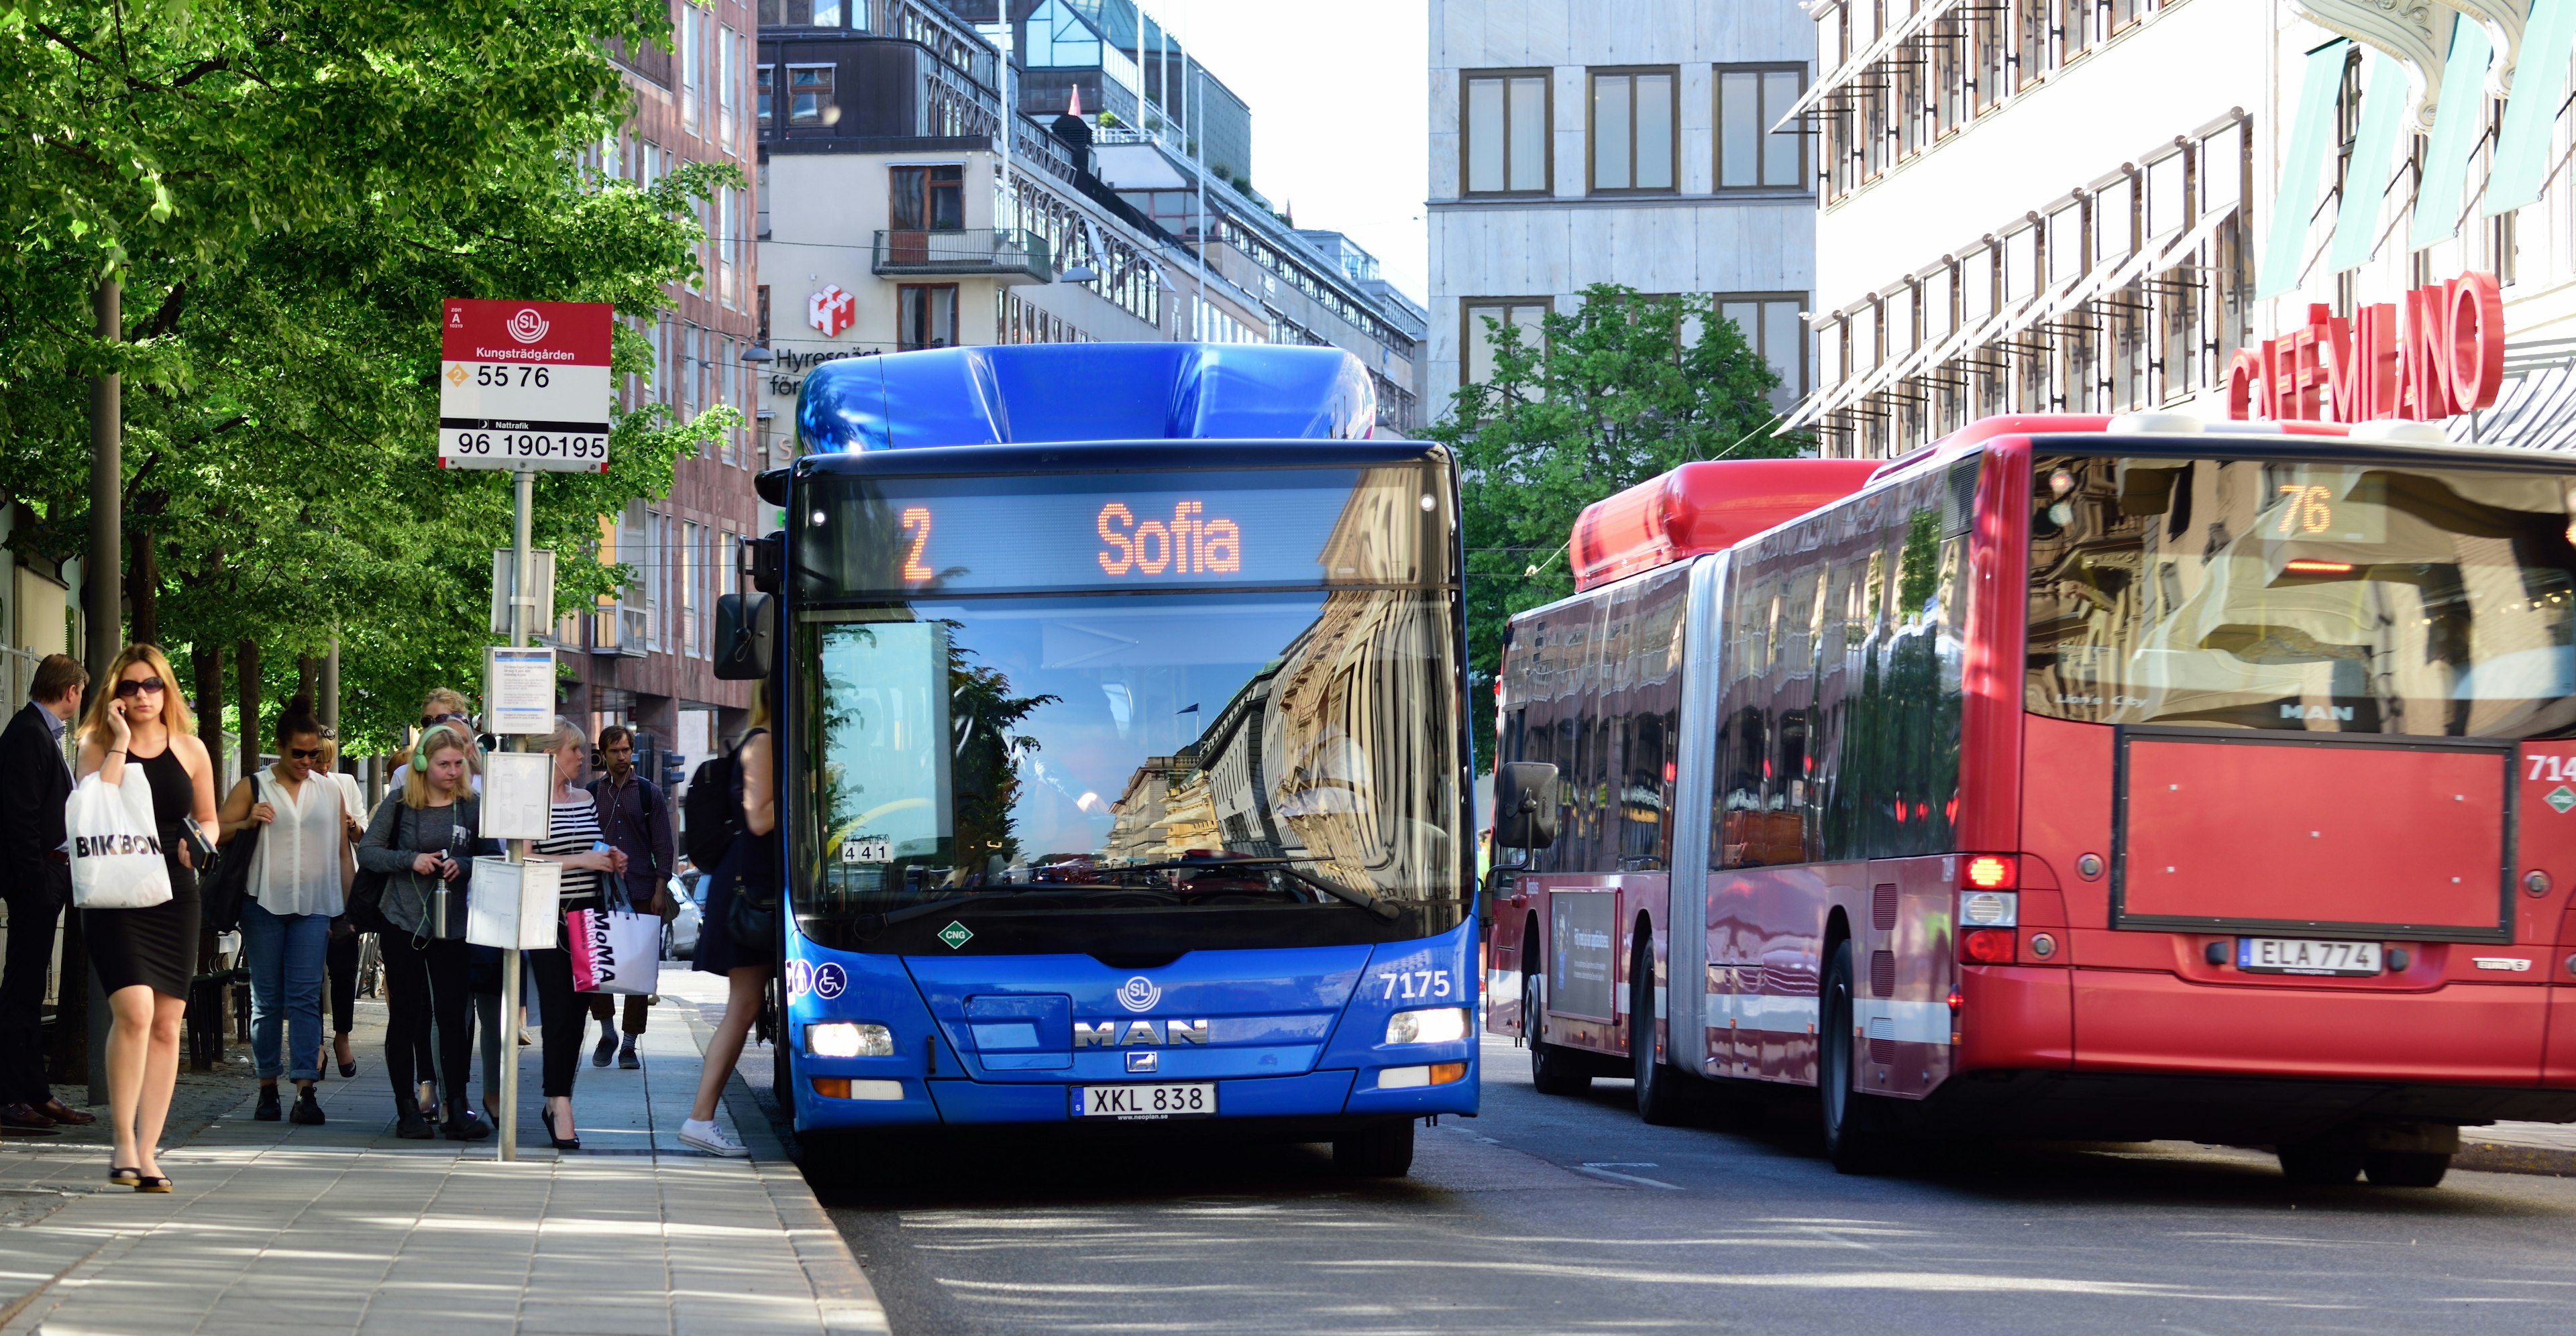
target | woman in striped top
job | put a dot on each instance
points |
(573, 840)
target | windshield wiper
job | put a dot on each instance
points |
(1385, 909)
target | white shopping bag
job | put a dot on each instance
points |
(513, 905)
(614, 951)
(116, 852)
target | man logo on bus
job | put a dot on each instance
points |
(1139, 994)
(1187, 545)
(831, 311)
(2328, 713)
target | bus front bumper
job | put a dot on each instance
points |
(1324, 1095)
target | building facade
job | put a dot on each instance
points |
(900, 208)
(2114, 207)
(645, 657)
(1571, 147)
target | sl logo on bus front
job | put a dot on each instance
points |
(1186, 545)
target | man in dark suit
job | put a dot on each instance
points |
(36, 879)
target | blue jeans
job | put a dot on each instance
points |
(286, 954)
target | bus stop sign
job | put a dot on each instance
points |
(524, 385)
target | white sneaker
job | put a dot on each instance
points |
(708, 1137)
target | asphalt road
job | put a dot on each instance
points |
(1569, 1215)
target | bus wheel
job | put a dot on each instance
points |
(1659, 1098)
(1859, 1138)
(2325, 1163)
(2406, 1168)
(1376, 1150)
(1552, 1069)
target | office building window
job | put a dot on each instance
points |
(653, 561)
(692, 64)
(809, 95)
(686, 572)
(1502, 132)
(728, 55)
(762, 78)
(1769, 322)
(926, 316)
(800, 13)
(1632, 130)
(1750, 155)
(931, 198)
(1480, 322)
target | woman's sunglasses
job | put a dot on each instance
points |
(303, 754)
(136, 686)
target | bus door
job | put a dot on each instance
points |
(2545, 774)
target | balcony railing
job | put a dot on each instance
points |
(621, 630)
(1009, 254)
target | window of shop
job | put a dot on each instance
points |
(2066, 248)
(1481, 321)
(1633, 145)
(1750, 155)
(927, 198)
(926, 316)
(1503, 132)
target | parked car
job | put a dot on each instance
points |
(680, 935)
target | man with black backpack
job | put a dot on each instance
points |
(634, 818)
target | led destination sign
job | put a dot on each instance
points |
(1293, 527)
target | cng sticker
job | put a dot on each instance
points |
(2561, 798)
(956, 934)
(800, 978)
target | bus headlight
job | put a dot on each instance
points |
(1439, 1025)
(849, 1039)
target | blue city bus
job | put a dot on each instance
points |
(1123, 755)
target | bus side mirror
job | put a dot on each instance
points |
(1525, 805)
(743, 636)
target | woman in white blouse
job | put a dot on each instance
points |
(297, 878)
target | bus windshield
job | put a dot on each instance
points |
(2306, 596)
(1105, 753)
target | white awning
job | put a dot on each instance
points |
(1842, 76)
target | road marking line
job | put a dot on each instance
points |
(1626, 1178)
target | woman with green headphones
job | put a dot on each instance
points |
(423, 841)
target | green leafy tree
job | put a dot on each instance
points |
(1621, 389)
(287, 194)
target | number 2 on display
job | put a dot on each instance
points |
(1415, 983)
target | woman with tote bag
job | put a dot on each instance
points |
(299, 871)
(423, 843)
(138, 731)
(572, 839)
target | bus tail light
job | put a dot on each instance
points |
(1987, 946)
(1990, 872)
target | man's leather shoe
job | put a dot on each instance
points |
(63, 1113)
(24, 1117)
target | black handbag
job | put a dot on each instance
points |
(226, 884)
(752, 917)
(366, 899)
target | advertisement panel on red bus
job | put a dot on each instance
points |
(2073, 777)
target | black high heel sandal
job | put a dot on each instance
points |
(121, 1176)
(151, 1183)
(561, 1142)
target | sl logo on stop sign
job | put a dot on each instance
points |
(831, 311)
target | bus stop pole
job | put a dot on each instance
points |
(522, 603)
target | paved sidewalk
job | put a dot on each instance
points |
(346, 1228)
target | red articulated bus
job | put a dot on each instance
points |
(2117, 778)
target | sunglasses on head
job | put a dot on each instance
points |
(306, 754)
(136, 686)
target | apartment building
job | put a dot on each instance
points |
(644, 658)
(901, 208)
(1571, 147)
(2036, 206)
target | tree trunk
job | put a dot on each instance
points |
(246, 689)
(208, 658)
(307, 670)
(143, 589)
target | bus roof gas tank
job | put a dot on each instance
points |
(1044, 393)
(1703, 507)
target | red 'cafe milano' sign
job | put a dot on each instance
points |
(2443, 354)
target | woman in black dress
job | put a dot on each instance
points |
(750, 868)
(146, 958)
